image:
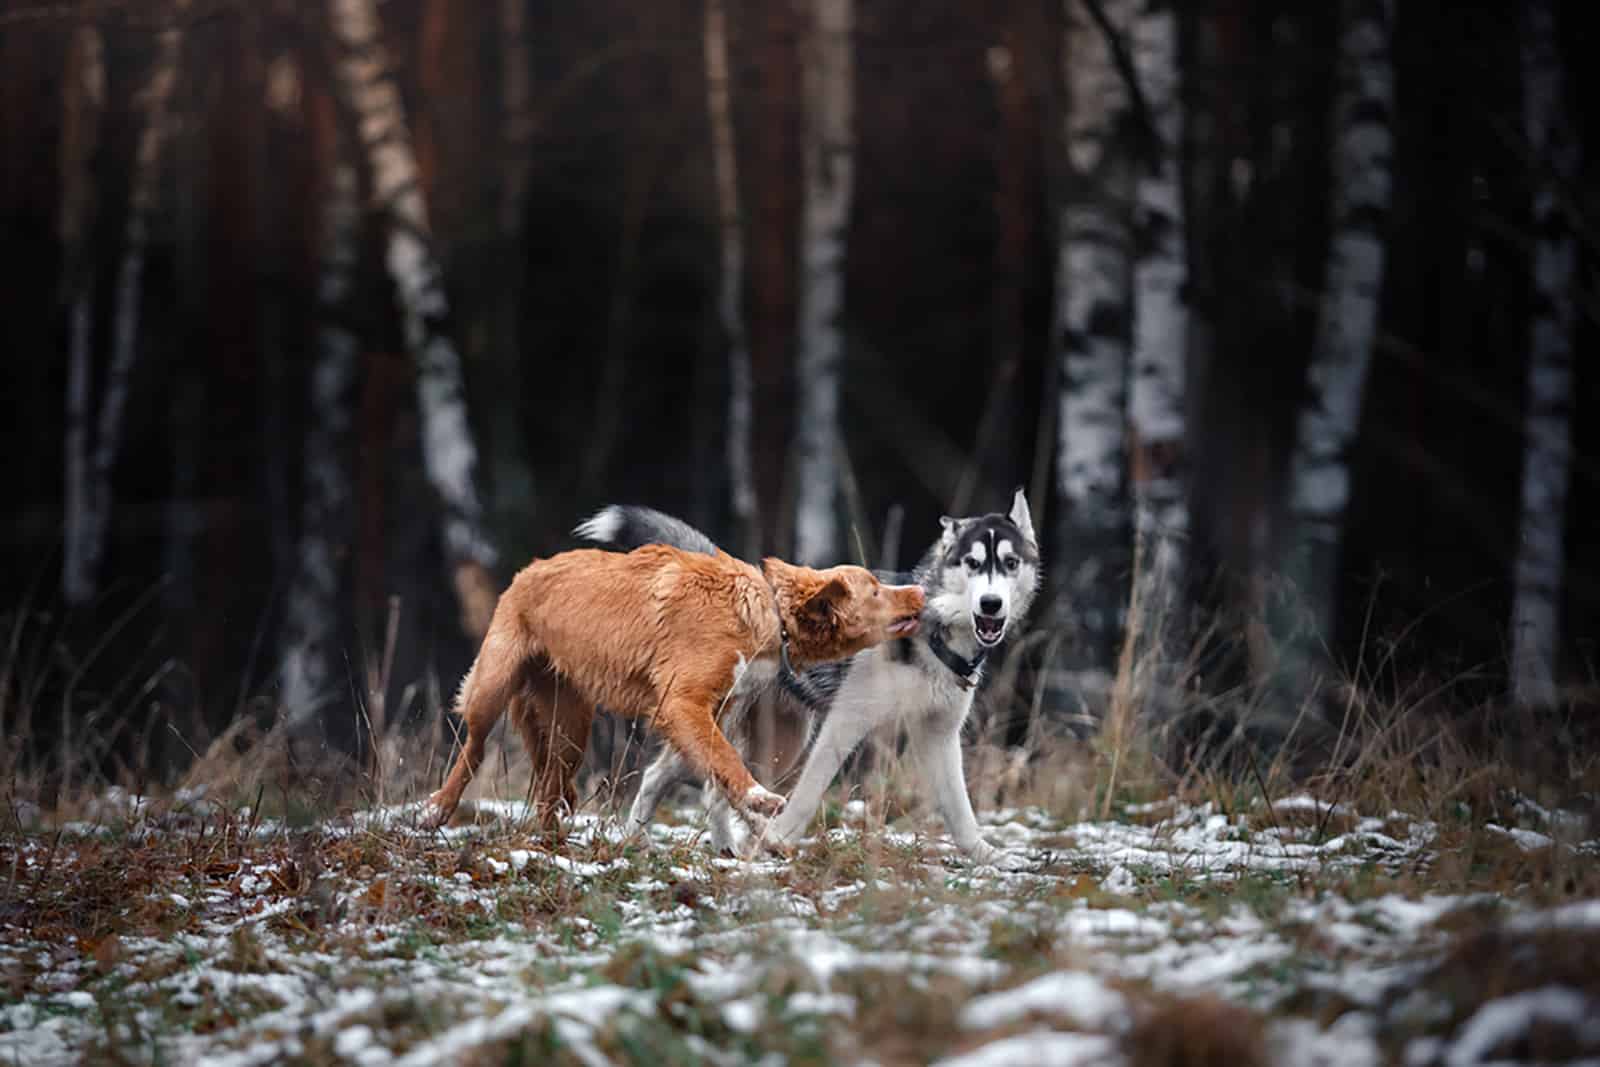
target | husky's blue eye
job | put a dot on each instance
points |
(971, 562)
(1011, 563)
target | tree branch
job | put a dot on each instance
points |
(1148, 142)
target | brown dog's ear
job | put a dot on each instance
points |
(821, 604)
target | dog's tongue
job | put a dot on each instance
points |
(988, 628)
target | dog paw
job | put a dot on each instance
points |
(763, 801)
(780, 847)
(726, 836)
(987, 855)
(765, 843)
(434, 813)
(766, 848)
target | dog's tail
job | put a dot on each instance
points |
(627, 527)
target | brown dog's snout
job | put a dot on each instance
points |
(908, 601)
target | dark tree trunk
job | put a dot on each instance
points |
(774, 196)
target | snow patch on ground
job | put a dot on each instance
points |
(1041, 1048)
(1113, 909)
(1082, 999)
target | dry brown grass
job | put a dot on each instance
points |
(1195, 1032)
(901, 1018)
(1409, 753)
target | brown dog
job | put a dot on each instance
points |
(660, 633)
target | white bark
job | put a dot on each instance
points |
(829, 181)
(84, 100)
(450, 455)
(1319, 469)
(1547, 449)
(82, 570)
(1156, 392)
(729, 303)
(1092, 317)
(312, 605)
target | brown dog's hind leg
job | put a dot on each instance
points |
(554, 721)
(489, 686)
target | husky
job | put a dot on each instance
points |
(979, 579)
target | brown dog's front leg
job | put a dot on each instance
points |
(687, 722)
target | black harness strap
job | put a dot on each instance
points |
(964, 669)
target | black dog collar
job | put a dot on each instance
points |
(791, 680)
(964, 669)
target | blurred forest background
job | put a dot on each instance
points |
(323, 318)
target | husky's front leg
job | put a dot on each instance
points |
(841, 732)
(939, 751)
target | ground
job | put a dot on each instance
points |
(1284, 930)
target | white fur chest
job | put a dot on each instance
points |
(750, 676)
(880, 687)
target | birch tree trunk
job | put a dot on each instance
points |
(1156, 402)
(829, 179)
(1319, 475)
(450, 455)
(312, 608)
(1547, 432)
(1092, 319)
(731, 289)
(89, 504)
(84, 99)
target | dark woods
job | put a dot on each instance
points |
(323, 318)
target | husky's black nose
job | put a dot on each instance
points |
(989, 605)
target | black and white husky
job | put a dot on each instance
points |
(980, 578)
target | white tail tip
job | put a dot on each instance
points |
(602, 526)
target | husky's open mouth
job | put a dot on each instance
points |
(989, 628)
(905, 626)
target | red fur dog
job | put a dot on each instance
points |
(660, 633)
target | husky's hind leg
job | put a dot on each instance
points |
(665, 771)
(726, 834)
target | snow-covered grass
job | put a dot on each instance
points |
(1293, 931)
(1404, 895)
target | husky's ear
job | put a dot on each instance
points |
(1021, 516)
(948, 528)
(821, 605)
